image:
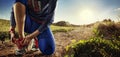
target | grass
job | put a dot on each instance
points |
(4, 25)
(98, 45)
(61, 28)
(94, 47)
(108, 30)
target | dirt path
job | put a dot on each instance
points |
(62, 40)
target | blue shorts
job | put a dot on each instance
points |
(45, 39)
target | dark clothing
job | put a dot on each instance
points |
(39, 15)
(40, 11)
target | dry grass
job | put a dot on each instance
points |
(109, 30)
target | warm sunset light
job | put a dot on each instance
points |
(76, 11)
(86, 14)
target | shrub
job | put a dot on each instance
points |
(62, 23)
(5, 34)
(107, 20)
(109, 31)
(95, 47)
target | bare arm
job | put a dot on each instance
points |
(34, 34)
(20, 14)
(31, 36)
(19, 11)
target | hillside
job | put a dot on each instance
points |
(63, 36)
(4, 24)
(92, 40)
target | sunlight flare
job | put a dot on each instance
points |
(86, 14)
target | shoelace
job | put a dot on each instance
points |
(19, 42)
(36, 42)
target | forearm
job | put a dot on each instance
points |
(33, 35)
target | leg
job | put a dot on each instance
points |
(19, 14)
(46, 42)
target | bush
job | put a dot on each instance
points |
(107, 20)
(109, 31)
(95, 47)
(62, 23)
(5, 34)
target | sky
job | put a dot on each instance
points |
(75, 11)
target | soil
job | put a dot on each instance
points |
(62, 40)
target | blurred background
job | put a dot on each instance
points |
(75, 11)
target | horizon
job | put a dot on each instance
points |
(76, 12)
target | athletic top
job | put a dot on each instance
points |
(40, 11)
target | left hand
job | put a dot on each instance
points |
(27, 40)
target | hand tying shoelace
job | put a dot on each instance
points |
(18, 41)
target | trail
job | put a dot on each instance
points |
(62, 40)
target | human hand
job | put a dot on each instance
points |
(12, 35)
(27, 40)
(29, 37)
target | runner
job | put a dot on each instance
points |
(33, 17)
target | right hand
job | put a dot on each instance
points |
(12, 35)
(27, 40)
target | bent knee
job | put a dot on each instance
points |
(48, 51)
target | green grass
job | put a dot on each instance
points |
(61, 28)
(4, 25)
(94, 47)
(98, 45)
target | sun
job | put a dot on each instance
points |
(86, 14)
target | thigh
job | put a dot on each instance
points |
(46, 42)
(28, 24)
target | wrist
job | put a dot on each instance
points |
(29, 36)
(33, 35)
(12, 30)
